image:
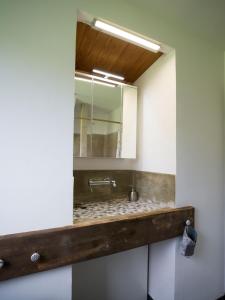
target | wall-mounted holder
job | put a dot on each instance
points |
(189, 240)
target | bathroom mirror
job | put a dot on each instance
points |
(98, 120)
(102, 116)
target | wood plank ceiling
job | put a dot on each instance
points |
(96, 49)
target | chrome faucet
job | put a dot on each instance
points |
(98, 182)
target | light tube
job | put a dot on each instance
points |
(95, 81)
(126, 35)
(100, 78)
(108, 74)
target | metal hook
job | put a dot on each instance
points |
(1, 263)
(188, 222)
(35, 257)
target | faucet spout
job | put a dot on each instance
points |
(100, 182)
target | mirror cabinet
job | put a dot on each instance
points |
(105, 120)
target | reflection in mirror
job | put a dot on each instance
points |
(98, 120)
(106, 126)
(83, 115)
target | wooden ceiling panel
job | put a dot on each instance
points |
(95, 49)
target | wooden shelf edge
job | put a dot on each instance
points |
(86, 240)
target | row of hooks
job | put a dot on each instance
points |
(35, 257)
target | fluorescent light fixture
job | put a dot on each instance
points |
(126, 35)
(114, 82)
(106, 80)
(95, 81)
(106, 74)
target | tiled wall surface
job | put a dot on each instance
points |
(154, 186)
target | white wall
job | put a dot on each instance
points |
(200, 156)
(156, 152)
(156, 145)
(36, 128)
(224, 167)
(36, 77)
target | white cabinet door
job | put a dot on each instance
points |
(129, 127)
(121, 276)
